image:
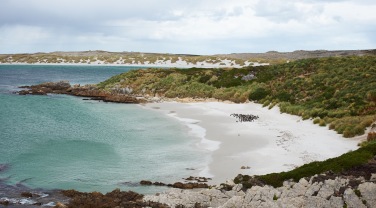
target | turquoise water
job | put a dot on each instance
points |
(60, 141)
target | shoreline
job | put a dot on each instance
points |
(273, 143)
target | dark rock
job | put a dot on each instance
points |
(116, 198)
(129, 184)
(26, 194)
(342, 190)
(225, 187)
(147, 183)
(323, 177)
(159, 184)
(24, 92)
(189, 186)
(354, 183)
(202, 185)
(197, 179)
(178, 185)
(4, 202)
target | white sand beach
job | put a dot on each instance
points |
(275, 142)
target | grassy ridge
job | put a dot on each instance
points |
(336, 91)
(200, 83)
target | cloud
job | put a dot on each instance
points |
(194, 26)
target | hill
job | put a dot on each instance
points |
(175, 60)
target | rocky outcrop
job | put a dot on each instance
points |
(311, 192)
(116, 198)
(64, 87)
(179, 185)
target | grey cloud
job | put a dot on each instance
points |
(181, 26)
(83, 12)
(283, 11)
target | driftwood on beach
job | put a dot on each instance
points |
(244, 117)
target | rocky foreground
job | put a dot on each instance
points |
(313, 192)
(325, 190)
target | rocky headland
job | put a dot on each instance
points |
(90, 91)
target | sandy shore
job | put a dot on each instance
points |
(273, 143)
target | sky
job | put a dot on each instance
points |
(203, 27)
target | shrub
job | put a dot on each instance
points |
(371, 136)
(316, 120)
(275, 197)
(357, 192)
(258, 94)
(283, 96)
(371, 95)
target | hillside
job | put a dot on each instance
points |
(335, 91)
(176, 60)
(125, 58)
(280, 57)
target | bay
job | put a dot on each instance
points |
(64, 142)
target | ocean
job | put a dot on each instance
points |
(65, 142)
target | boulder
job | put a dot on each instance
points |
(258, 193)
(26, 194)
(336, 202)
(313, 189)
(368, 192)
(352, 199)
(325, 191)
(235, 201)
(147, 183)
(237, 187)
(315, 201)
(158, 184)
(292, 202)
